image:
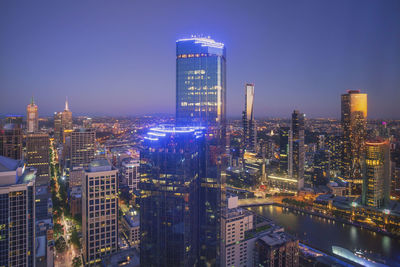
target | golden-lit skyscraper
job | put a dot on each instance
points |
(66, 117)
(32, 117)
(376, 173)
(354, 121)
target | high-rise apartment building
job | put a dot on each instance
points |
(99, 212)
(354, 120)
(58, 131)
(200, 82)
(130, 173)
(172, 162)
(296, 148)
(376, 172)
(284, 134)
(249, 123)
(32, 117)
(82, 147)
(37, 156)
(11, 138)
(17, 214)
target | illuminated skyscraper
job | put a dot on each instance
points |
(82, 147)
(297, 153)
(172, 162)
(376, 172)
(17, 214)
(99, 212)
(200, 82)
(284, 133)
(37, 156)
(249, 123)
(354, 120)
(66, 117)
(32, 117)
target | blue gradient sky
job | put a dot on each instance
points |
(118, 57)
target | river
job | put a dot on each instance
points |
(323, 234)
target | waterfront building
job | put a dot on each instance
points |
(32, 117)
(37, 156)
(82, 147)
(200, 82)
(376, 172)
(99, 212)
(249, 123)
(296, 148)
(354, 121)
(236, 249)
(17, 213)
(277, 249)
(321, 167)
(171, 165)
(11, 137)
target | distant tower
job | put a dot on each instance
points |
(376, 172)
(297, 153)
(32, 117)
(249, 124)
(284, 133)
(354, 121)
(66, 117)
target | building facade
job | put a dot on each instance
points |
(99, 212)
(200, 82)
(37, 155)
(170, 166)
(82, 147)
(11, 136)
(296, 148)
(17, 214)
(376, 172)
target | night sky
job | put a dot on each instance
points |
(118, 57)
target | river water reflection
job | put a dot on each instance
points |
(323, 234)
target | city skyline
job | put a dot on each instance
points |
(106, 64)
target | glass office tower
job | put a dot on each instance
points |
(200, 82)
(297, 153)
(171, 163)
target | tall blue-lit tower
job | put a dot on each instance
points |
(171, 164)
(200, 82)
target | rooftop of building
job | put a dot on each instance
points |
(276, 238)
(126, 257)
(8, 164)
(99, 165)
(132, 218)
(204, 41)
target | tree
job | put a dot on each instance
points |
(61, 245)
(76, 262)
(58, 228)
(75, 238)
